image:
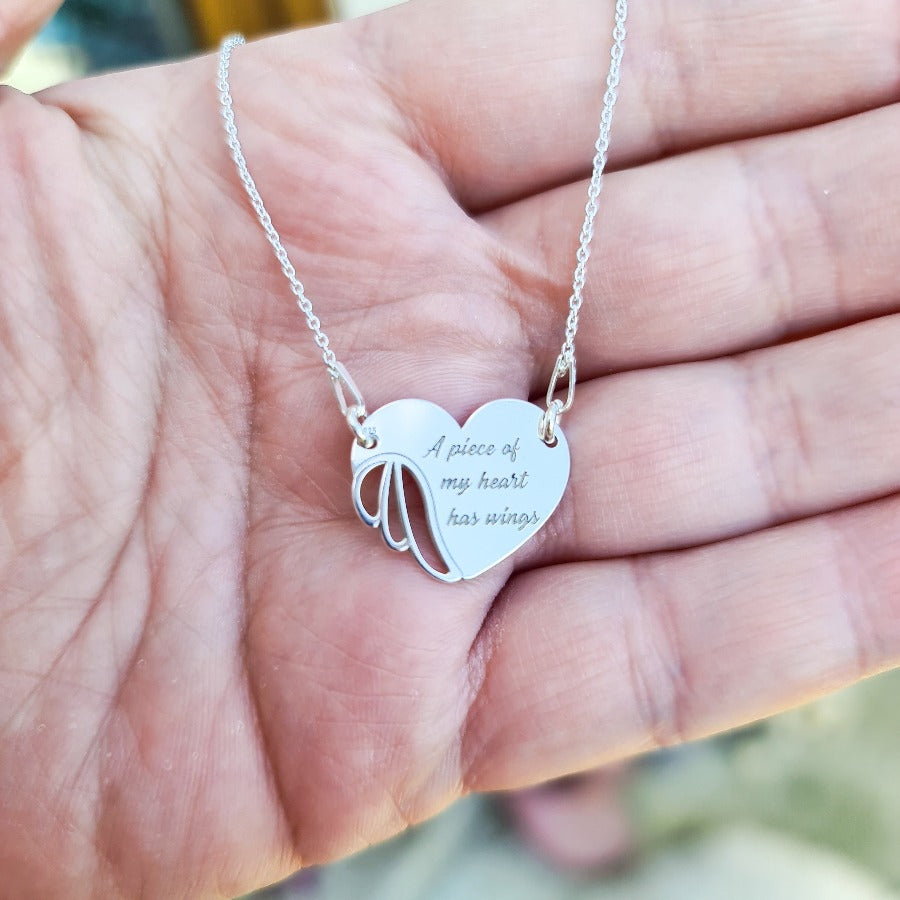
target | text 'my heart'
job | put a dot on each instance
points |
(487, 486)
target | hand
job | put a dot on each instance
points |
(210, 671)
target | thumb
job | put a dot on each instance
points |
(19, 20)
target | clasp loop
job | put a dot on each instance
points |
(355, 411)
(562, 368)
(555, 408)
(340, 379)
(356, 419)
(548, 422)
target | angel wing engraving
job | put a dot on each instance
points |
(393, 464)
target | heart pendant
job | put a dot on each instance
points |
(487, 486)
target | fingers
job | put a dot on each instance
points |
(19, 20)
(716, 251)
(506, 96)
(673, 457)
(593, 661)
(579, 823)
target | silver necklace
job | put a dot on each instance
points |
(491, 484)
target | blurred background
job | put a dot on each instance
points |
(805, 805)
(97, 35)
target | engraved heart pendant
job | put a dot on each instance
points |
(487, 486)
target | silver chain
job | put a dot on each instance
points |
(565, 363)
(354, 410)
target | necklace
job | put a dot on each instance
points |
(491, 484)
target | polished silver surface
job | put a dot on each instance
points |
(487, 486)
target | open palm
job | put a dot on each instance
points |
(210, 671)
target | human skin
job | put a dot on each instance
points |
(211, 673)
